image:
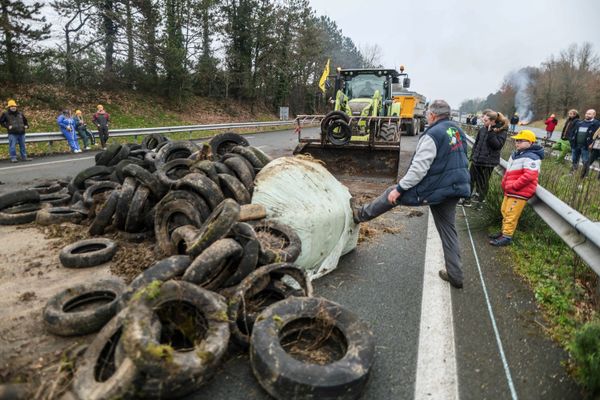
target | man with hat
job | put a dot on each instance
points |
(15, 123)
(519, 184)
(101, 120)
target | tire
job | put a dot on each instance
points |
(90, 173)
(342, 137)
(174, 150)
(48, 187)
(146, 178)
(333, 116)
(410, 129)
(55, 199)
(216, 226)
(123, 204)
(202, 186)
(18, 197)
(122, 154)
(58, 215)
(87, 253)
(135, 237)
(104, 217)
(250, 156)
(242, 170)
(287, 251)
(60, 319)
(388, 132)
(134, 222)
(239, 323)
(184, 371)
(222, 168)
(224, 142)
(182, 237)
(100, 187)
(162, 270)
(217, 263)
(244, 234)
(123, 382)
(207, 168)
(123, 163)
(171, 214)
(169, 173)
(150, 142)
(104, 157)
(284, 376)
(262, 156)
(233, 188)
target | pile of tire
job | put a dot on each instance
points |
(222, 285)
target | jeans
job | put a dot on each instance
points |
(86, 136)
(512, 128)
(103, 133)
(13, 139)
(480, 178)
(582, 152)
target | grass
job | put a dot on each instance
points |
(563, 285)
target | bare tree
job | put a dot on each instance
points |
(372, 54)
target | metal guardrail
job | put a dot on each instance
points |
(57, 136)
(580, 233)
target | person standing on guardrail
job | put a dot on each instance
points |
(513, 123)
(594, 153)
(101, 120)
(474, 120)
(67, 127)
(581, 138)
(82, 130)
(550, 123)
(519, 184)
(486, 154)
(15, 123)
(437, 177)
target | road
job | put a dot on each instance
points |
(485, 341)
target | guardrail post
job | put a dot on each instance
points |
(135, 138)
(49, 144)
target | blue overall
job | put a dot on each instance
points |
(65, 123)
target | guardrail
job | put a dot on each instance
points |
(57, 136)
(580, 233)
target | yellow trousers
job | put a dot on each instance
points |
(511, 212)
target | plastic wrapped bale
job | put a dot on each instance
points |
(305, 196)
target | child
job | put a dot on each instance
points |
(519, 184)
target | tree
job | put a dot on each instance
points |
(20, 28)
(371, 54)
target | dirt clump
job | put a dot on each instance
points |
(27, 296)
(131, 259)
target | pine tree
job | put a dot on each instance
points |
(20, 27)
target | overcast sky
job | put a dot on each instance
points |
(456, 50)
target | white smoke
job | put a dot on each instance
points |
(520, 81)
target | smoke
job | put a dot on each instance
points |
(520, 81)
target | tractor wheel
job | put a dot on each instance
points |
(388, 132)
(421, 125)
(410, 129)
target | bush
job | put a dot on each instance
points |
(585, 349)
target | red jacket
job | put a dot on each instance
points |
(521, 177)
(551, 124)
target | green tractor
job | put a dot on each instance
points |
(365, 94)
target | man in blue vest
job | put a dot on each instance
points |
(438, 176)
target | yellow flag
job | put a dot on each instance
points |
(324, 76)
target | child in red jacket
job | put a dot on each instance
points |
(519, 184)
(550, 123)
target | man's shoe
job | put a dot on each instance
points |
(355, 211)
(13, 160)
(444, 275)
(501, 241)
(87, 147)
(496, 235)
(467, 203)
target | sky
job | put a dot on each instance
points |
(455, 50)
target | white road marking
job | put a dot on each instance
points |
(436, 361)
(30, 165)
(511, 385)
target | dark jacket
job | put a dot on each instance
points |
(101, 119)
(583, 125)
(488, 144)
(514, 120)
(566, 130)
(448, 175)
(15, 120)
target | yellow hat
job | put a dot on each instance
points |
(77, 112)
(11, 103)
(100, 107)
(525, 134)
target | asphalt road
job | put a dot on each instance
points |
(382, 282)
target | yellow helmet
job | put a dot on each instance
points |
(11, 103)
(525, 134)
(77, 112)
(100, 107)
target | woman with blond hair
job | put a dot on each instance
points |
(486, 153)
